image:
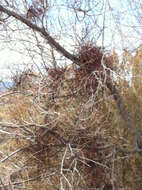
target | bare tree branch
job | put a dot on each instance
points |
(123, 111)
(121, 106)
(42, 31)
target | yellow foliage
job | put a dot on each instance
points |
(86, 123)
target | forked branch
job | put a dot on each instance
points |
(53, 43)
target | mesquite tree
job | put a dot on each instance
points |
(66, 43)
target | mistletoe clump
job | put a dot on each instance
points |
(94, 68)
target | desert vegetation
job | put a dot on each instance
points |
(72, 119)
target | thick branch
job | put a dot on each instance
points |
(42, 31)
(123, 111)
(118, 99)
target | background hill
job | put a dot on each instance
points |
(5, 85)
